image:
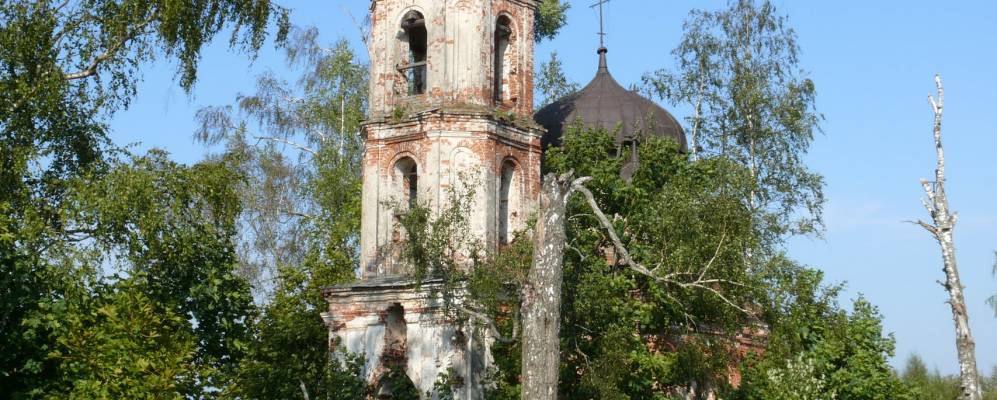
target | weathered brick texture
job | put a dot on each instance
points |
(460, 54)
(457, 132)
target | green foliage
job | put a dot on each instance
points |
(170, 320)
(64, 68)
(628, 335)
(119, 344)
(65, 65)
(399, 385)
(738, 69)
(551, 83)
(289, 349)
(344, 379)
(929, 385)
(175, 225)
(844, 354)
(438, 245)
(932, 385)
(550, 17)
(445, 385)
(990, 385)
(299, 148)
(624, 334)
(798, 380)
(398, 114)
(503, 382)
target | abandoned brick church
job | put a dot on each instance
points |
(451, 95)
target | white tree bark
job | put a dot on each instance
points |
(542, 292)
(941, 228)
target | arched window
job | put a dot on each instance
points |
(503, 33)
(407, 181)
(414, 67)
(507, 190)
(395, 383)
(395, 332)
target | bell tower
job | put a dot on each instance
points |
(451, 103)
(450, 111)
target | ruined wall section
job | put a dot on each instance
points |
(461, 45)
(359, 321)
(449, 149)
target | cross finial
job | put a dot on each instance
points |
(602, 30)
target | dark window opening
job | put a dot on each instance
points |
(395, 384)
(395, 334)
(505, 187)
(414, 25)
(628, 152)
(502, 35)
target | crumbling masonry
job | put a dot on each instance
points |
(451, 98)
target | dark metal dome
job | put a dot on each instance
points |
(604, 103)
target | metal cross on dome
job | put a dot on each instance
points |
(602, 31)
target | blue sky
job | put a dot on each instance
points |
(873, 64)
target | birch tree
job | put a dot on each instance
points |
(942, 227)
(298, 145)
(300, 148)
(738, 69)
(551, 83)
(65, 68)
(621, 268)
(541, 300)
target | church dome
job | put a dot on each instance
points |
(605, 104)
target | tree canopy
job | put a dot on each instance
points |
(132, 276)
(115, 267)
(298, 148)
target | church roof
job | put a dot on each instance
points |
(604, 103)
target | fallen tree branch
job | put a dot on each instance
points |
(628, 260)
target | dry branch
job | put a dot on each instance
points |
(670, 279)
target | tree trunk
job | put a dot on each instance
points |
(943, 225)
(542, 293)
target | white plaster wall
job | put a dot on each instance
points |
(429, 354)
(370, 235)
(430, 350)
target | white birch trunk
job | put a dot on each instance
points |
(542, 293)
(942, 228)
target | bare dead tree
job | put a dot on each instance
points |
(941, 228)
(541, 299)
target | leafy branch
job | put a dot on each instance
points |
(112, 50)
(700, 282)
